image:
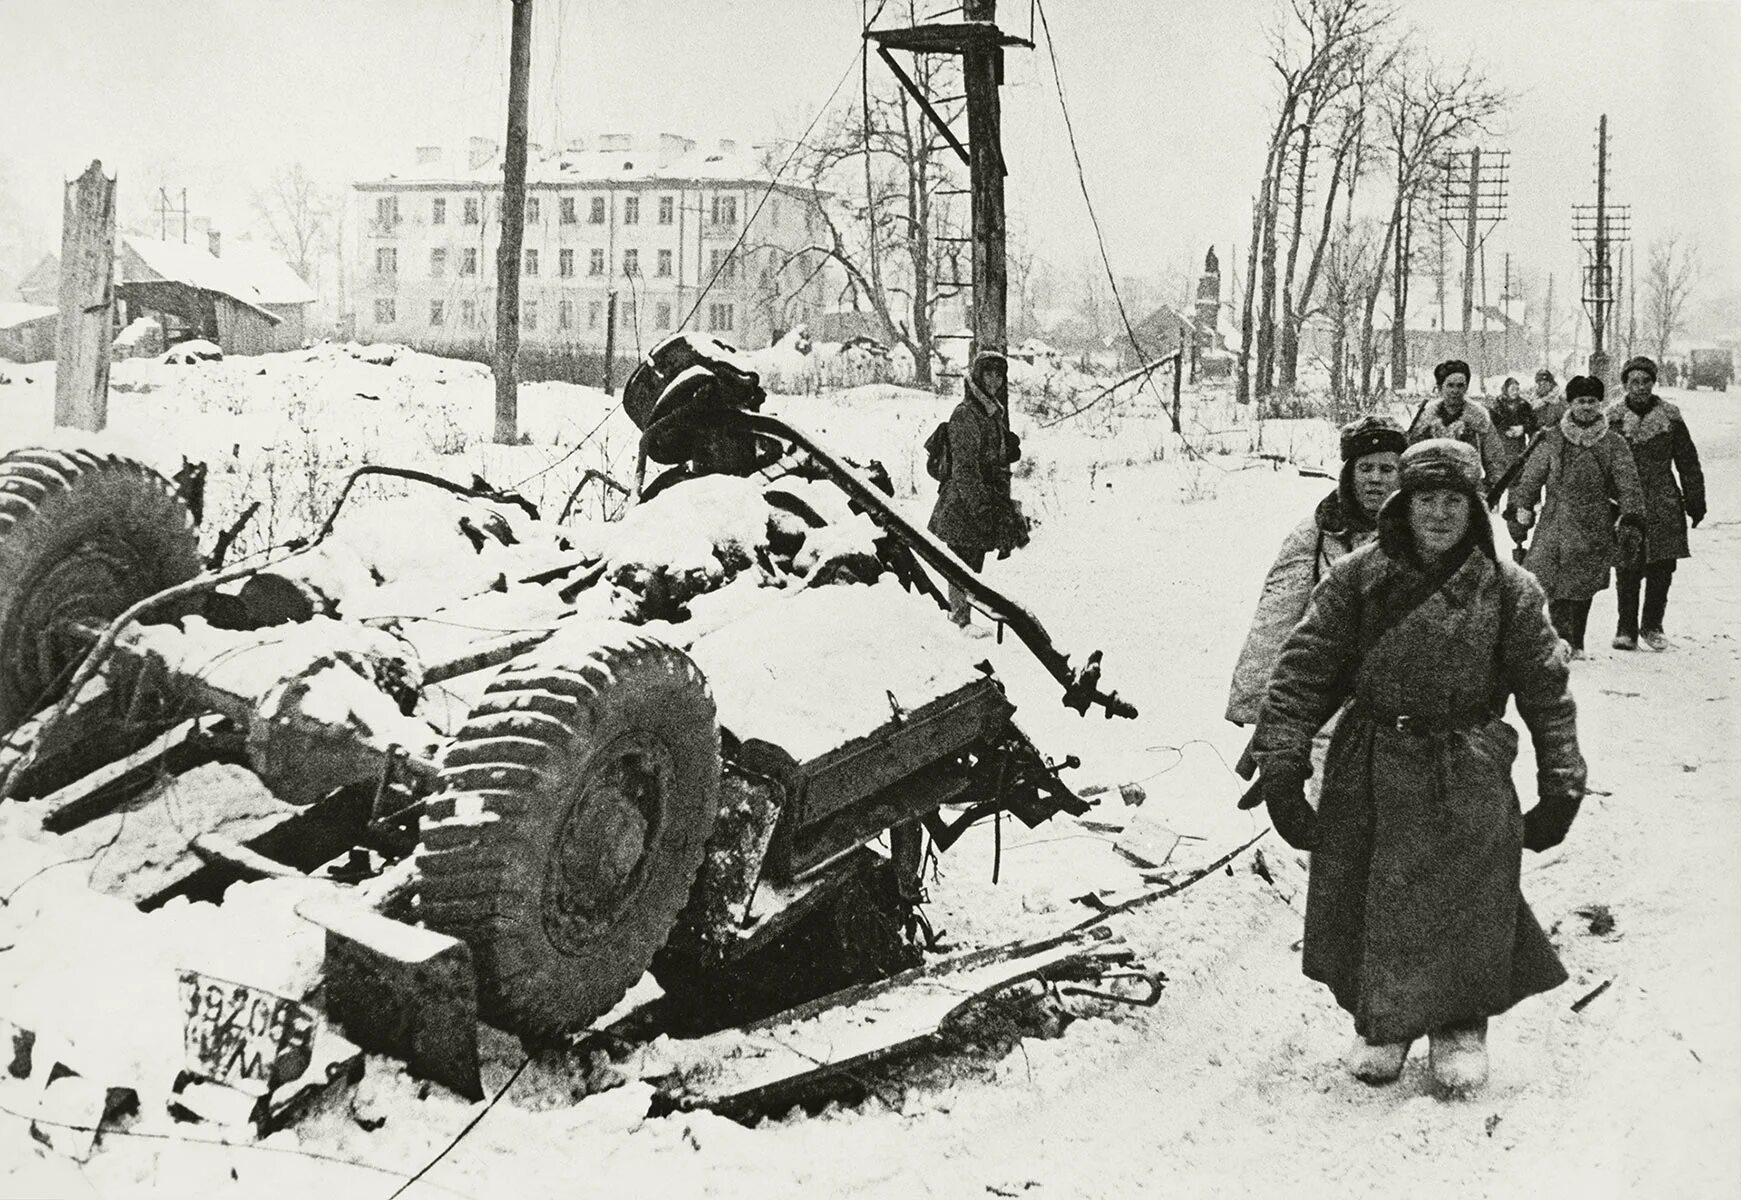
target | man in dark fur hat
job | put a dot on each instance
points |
(1662, 448)
(1451, 414)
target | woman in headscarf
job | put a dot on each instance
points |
(1414, 914)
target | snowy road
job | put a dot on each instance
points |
(1232, 1084)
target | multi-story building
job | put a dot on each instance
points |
(665, 227)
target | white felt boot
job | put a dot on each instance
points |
(1458, 1054)
(1376, 1063)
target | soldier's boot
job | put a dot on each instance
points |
(1458, 1056)
(1376, 1063)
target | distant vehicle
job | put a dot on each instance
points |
(1711, 368)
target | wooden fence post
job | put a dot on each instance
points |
(87, 301)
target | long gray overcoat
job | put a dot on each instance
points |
(1663, 448)
(1582, 470)
(1414, 913)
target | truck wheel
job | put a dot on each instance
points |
(83, 537)
(569, 822)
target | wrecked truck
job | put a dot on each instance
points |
(711, 739)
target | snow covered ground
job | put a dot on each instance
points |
(1229, 1086)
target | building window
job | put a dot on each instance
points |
(529, 315)
(386, 212)
(385, 312)
(386, 261)
(531, 263)
(720, 264)
(725, 210)
(663, 270)
(565, 315)
(565, 211)
(437, 312)
(774, 212)
(438, 262)
(596, 214)
(468, 261)
(626, 314)
(631, 210)
(472, 213)
(468, 313)
(532, 210)
(667, 210)
(594, 312)
(631, 262)
(662, 315)
(720, 317)
(438, 211)
(565, 263)
(595, 262)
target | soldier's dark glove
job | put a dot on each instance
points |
(1284, 795)
(1631, 539)
(1696, 517)
(1545, 825)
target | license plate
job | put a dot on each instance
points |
(239, 1035)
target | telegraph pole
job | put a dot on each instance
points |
(1469, 239)
(1472, 205)
(513, 227)
(982, 71)
(1599, 227)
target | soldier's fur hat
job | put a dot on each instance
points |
(1448, 368)
(1372, 434)
(1439, 463)
(1579, 386)
(1639, 362)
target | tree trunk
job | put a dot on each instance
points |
(1399, 346)
(1242, 387)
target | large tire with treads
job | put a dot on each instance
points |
(83, 537)
(569, 822)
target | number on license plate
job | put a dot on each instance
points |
(236, 1034)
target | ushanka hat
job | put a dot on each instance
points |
(1639, 362)
(1439, 463)
(1450, 367)
(1372, 434)
(1579, 386)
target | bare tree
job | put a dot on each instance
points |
(1670, 273)
(1426, 109)
(882, 178)
(299, 216)
(1321, 53)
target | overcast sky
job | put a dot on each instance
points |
(1170, 99)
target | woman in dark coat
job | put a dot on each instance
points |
(974, 511)
(1414, 914)
(1662, 448)
(1587, 471)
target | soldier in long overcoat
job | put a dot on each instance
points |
(1662, 448)
(1339, 523)
(974, 512)
(1414, 914)
(1593, 518)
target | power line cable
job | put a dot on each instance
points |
(469, 1126)
(1100, 237)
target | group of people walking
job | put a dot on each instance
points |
(1391, 618)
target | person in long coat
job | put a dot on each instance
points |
(1415, 918)
(1343, 520)
(1451, 414)
(1662, 448)
(1514, 420)
(1548, 403)
(974, 512)
(1588, 473)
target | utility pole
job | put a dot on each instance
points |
(513, 227)
(1505, 311)
(982, 72)
(980, 43)
(1469, 239)
(1548, 325)
(86, 324)
(1598, 227)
